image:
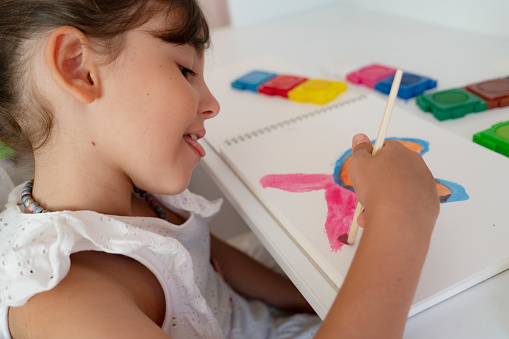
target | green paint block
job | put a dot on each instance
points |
(496, 138)
(451, 104)
(5, 152)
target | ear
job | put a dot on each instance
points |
(69, 62)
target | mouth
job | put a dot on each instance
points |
(192, 140)
(193, 136)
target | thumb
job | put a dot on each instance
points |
(361, 144)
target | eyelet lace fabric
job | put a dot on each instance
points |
(35, 254)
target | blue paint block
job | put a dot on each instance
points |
(252, 80)
(411, 85)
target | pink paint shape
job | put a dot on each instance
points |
(340, 201)
(370, 75)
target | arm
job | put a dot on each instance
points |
(95, 300)
(254, 280)
(401, 206)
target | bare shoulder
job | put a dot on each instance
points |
(103, 296)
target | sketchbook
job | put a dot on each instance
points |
(295, 166)
(258, 110)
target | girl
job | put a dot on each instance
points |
(109, 97)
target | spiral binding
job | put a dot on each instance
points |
(284, 123)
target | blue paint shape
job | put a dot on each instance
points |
(252, 80)
(458, 192)
(412, 85)
(338, 168)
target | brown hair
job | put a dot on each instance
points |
(25, 120)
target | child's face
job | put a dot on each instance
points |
(154, 103)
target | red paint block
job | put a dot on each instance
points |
(281, 85)
(495, 92)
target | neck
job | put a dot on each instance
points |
(65, 182)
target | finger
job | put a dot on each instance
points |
(361, 144)
(361, 219)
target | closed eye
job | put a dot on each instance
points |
(186, 72)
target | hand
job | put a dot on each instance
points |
(401, 205)
(396, 180)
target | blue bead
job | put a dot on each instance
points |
(27, 201)
(33, 205)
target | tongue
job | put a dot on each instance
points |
(195, 144)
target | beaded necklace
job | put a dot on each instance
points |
(154, 203)
(29, 202)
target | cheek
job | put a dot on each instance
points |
(176, 102)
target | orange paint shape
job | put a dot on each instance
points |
(345, 174)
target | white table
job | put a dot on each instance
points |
(345, 36)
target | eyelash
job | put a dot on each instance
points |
(186, 72)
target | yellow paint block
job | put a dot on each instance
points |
(317, 91)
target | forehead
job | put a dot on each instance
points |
(181, 24)
(164, 28)
(142, 47)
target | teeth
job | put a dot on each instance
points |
(193, 136)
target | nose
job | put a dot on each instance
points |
(209, 106)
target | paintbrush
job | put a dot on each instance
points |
(380, 138)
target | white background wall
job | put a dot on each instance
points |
(486, 16)
(248, 12)
(216, 12)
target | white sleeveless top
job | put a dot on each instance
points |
(35, 254)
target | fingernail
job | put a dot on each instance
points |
(357, 139)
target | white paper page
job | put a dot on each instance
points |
(469, 243)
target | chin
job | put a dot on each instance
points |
(172, 187)
(165, 184)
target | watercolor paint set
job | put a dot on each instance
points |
(495, 138)
(320, 91)
(457, 102)
(296, 88)
(380, 77)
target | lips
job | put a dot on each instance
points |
(192, 140)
